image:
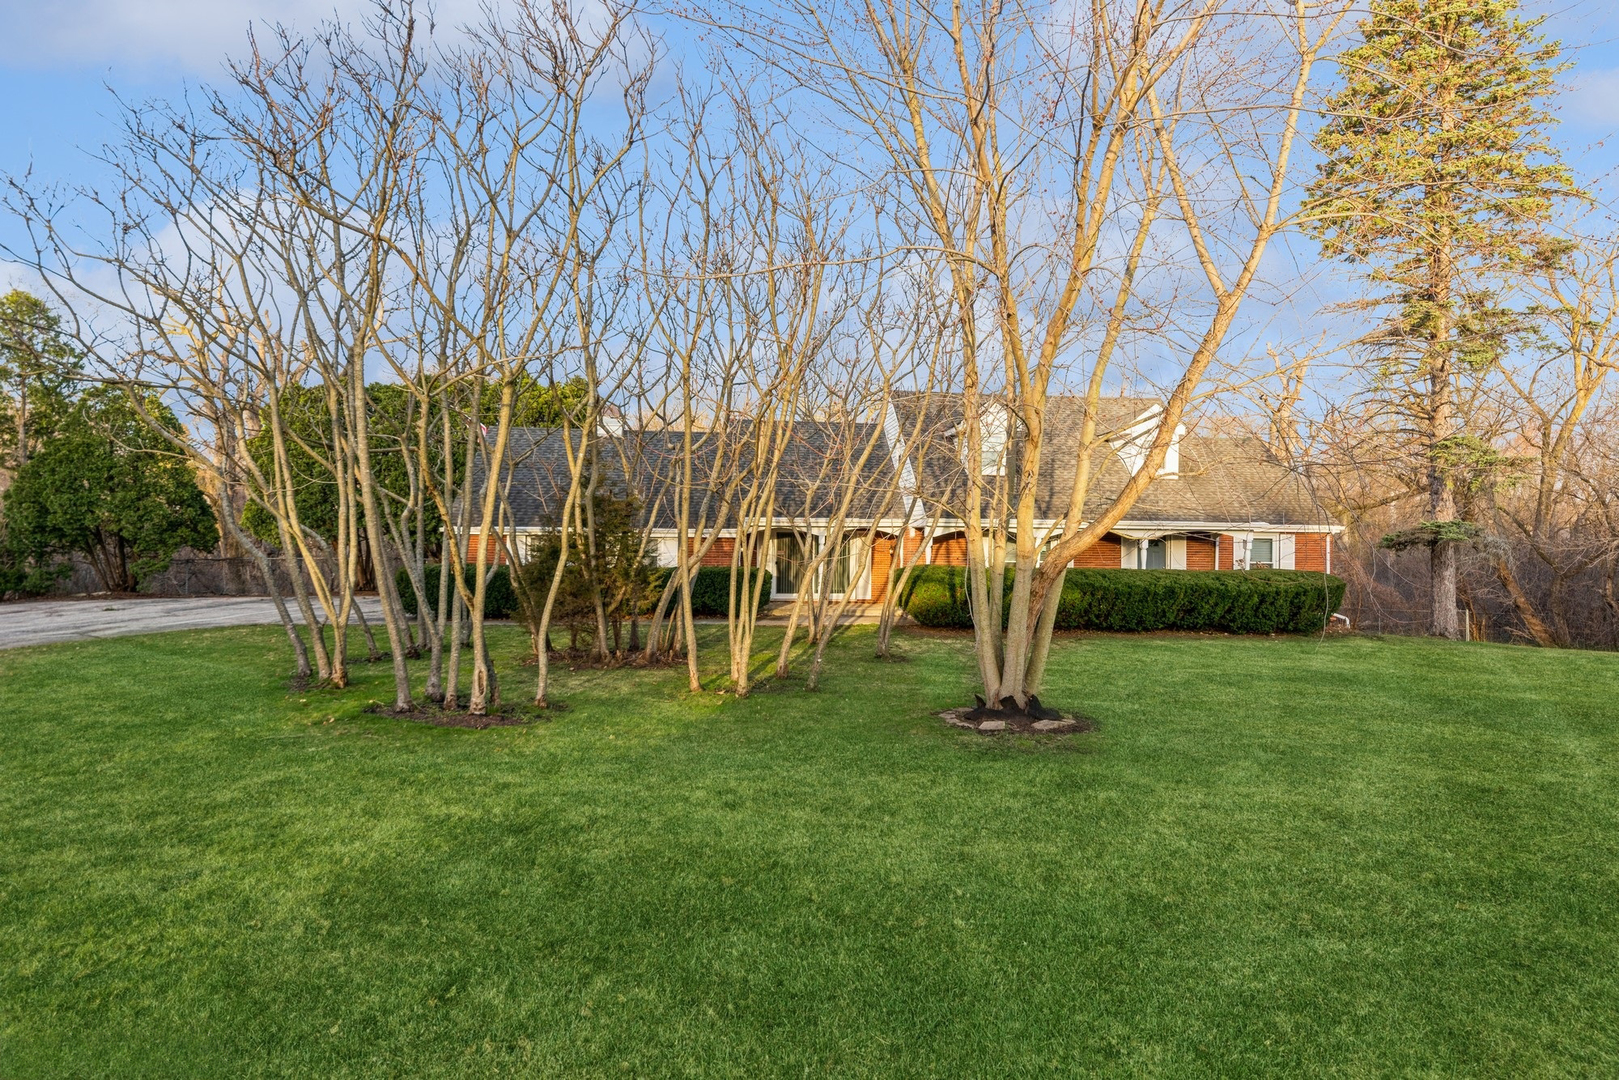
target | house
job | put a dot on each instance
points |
(1220, 501)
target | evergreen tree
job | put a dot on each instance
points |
(1438, 178)
(37, 369)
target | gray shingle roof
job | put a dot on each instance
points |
(810, 482)
(1230, 480)
(1222, 479)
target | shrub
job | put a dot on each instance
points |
(711, 591)
(1238, 602)
(499, 602)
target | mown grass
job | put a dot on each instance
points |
(1275, 856)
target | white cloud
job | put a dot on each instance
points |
(192, 36)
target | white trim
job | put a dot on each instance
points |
(949, 524)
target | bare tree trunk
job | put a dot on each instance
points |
(273, 589)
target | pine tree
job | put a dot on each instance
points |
(1438, 179)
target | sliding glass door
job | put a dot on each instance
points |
(794, 553)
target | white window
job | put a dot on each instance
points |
(1263, 551)
(1157, 553)
(993, 436)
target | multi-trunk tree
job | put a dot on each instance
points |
(1050, 165)
(1438, 179)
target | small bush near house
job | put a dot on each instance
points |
(500, 600)
(711, 591)
(1238, 602)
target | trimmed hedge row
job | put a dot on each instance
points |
(499, 601)
(710, 590)
(1235, 601)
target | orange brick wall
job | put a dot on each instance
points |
(1310, 551)
(1199, 553)
(951, 551)
(913, 542)
(497, 553)
(882, 562)
(1104, 554)
(717, 555)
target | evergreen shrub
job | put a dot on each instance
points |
(1234, 601)
(500, 599)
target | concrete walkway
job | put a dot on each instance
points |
(40, 622)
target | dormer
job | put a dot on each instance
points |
(1133, 443)
(993, 435)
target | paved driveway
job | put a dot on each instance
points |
(39, 622)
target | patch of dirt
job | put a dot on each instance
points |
(1013, 723)
(440, 718)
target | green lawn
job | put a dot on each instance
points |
(1275, 856)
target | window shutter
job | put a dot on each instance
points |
(1284, 551)
(1175, 552)
(1128, 553)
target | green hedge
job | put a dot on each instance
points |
(1235, 601)
(711, 591)
(499, 601)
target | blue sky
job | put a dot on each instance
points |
(59, 57)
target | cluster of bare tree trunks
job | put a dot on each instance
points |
(997, 207)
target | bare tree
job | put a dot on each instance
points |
(1026, 145)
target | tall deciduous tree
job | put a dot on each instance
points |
(1045, 152)
(1438, 176)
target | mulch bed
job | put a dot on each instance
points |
(440, 718)
(1016, 724)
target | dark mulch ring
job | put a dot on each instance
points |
(440, 718)
(973, 718)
